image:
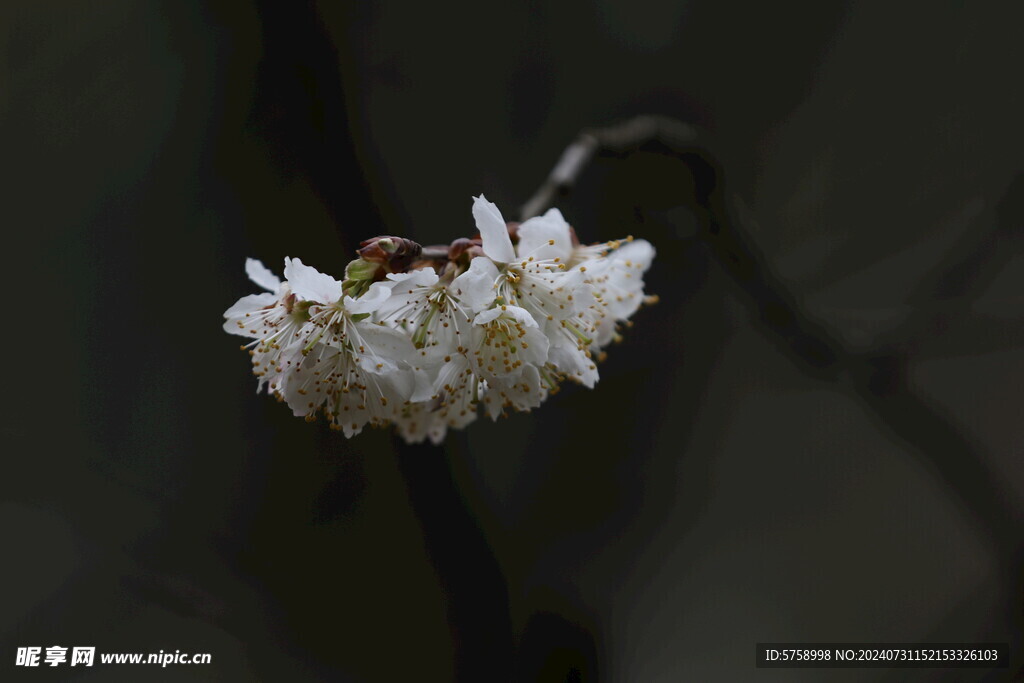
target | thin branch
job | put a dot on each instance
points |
(620, 139)
(877, 376)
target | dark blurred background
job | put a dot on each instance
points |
(715, 490)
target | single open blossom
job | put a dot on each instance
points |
(538, 279)
(615, 270)
(271, 319)
(426, 308)
(425, 338)
(506, 350)
(315, 348)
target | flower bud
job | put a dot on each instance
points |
(361, 269)
(386, 249)
(459, 247)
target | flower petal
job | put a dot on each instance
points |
(310, 284)
(475, 288)
(520, 315)
(496, 242)
(381, 350)
(535, 352)
(571, 360)
(423, 388)
(235, 317)
(640, 252)
(422, 277)
(261, 275)
(537, 234)
(371, 300)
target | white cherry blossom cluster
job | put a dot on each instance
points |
(423, 338)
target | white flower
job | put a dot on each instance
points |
(239, 319)
(271, 319)
(423, 306)
(528, 277)
(615, 270)
(316, 350)
(494, 324)
(538, 280)
(507, 350)
(358, 376)
(452, 405)
(435, 318)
